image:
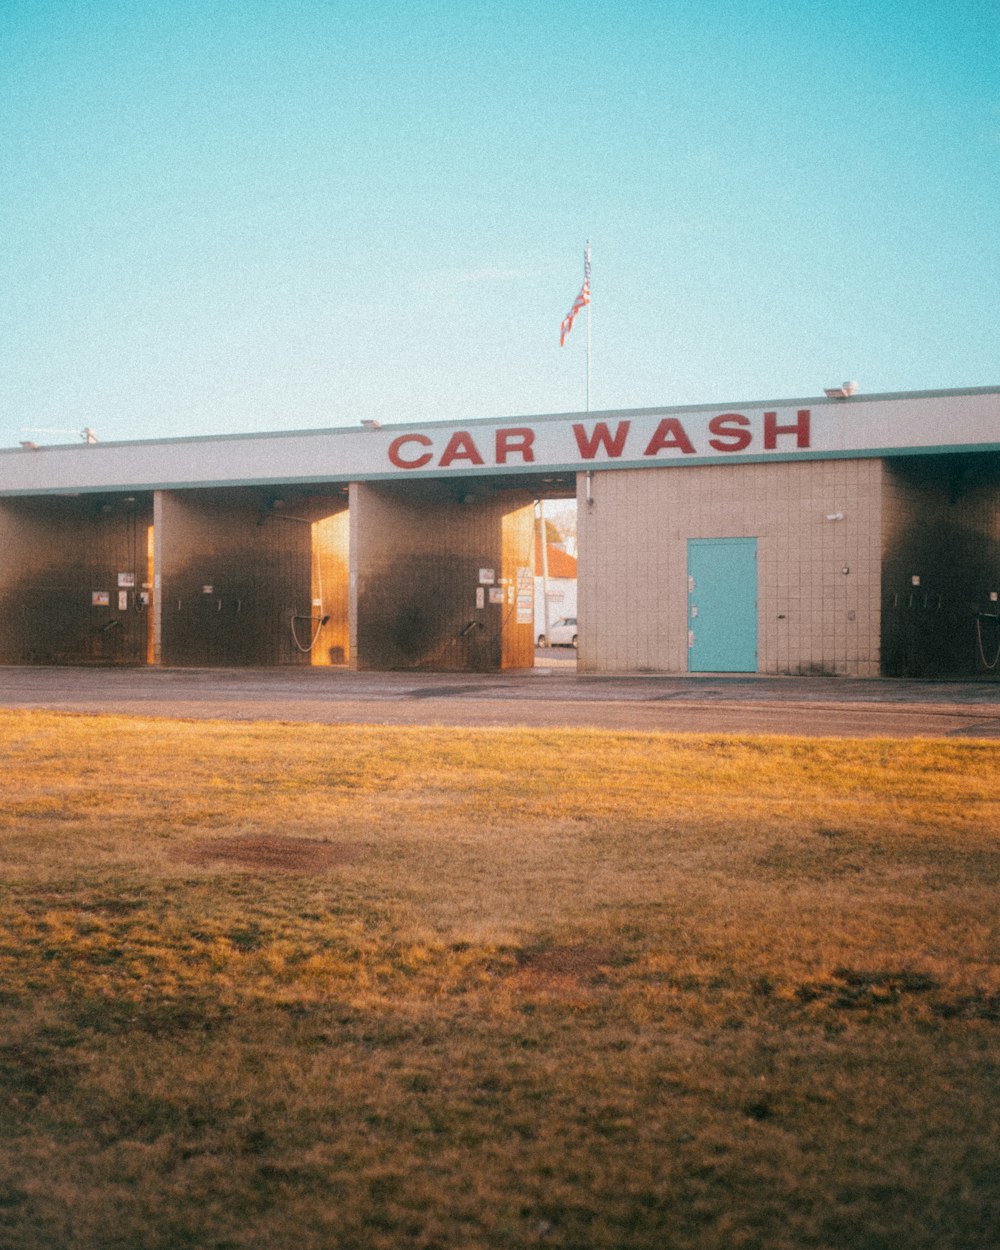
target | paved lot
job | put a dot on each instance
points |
(546, 696)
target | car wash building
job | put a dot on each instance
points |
(848, 534)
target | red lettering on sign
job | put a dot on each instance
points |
(730, 438)
(669, 433)
(460, 447)
(397, 444)
(520, 442)
(772, 429)
(601, 436)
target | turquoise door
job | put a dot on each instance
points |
(722, 605)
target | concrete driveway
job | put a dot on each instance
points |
(809, 706)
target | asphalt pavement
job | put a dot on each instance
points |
(550, 695)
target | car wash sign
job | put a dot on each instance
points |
(651, 438)
(600, 441)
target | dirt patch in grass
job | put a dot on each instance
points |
(273, 853)
(564, 967)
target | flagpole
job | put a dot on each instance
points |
(581, 301)
(586, 270)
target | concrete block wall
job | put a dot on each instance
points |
(941, 526)
(241, 576)
(813, 617)
(839, 542)
(56, 555)
(417, 550)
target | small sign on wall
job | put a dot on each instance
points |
(480, 597)
(127, 580)
(487, 577)
(525, 596)
(100, 598)
(496, 594)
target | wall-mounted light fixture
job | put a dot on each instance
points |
(834, 516)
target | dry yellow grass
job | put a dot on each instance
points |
(281, 985)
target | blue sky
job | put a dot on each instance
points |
(218, 217)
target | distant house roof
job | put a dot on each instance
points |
(560, 564)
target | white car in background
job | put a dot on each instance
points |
(561, 634)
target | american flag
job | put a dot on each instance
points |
(578, 303)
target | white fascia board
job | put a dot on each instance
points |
(816, 428)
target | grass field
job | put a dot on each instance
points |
(291, 987)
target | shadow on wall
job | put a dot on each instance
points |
(248, 579)
(75, 578)
(64, 620)
(417, 614)
(941, 564)
(241, 617)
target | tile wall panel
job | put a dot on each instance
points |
(813, 616)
